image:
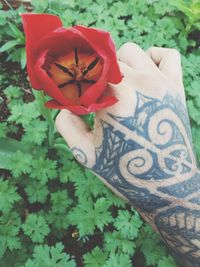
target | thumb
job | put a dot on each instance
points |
(78, 136)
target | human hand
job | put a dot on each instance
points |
(142, 147)
(131, 147)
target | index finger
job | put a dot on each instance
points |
(168, 60)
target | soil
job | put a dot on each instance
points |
(12, 74)
(15, 4)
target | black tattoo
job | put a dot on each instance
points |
(79, 155)
(180, 228)
(149, 158)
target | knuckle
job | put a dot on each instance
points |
(127, 47)
(175, 52)
(152, 48)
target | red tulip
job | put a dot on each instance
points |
(72, 65)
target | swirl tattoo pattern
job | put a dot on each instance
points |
(149, 158)
(79, 155)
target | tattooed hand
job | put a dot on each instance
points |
(142, 147)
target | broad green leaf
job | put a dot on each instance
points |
(96, 258)
(8, 147)
(51, 256)
(8, 196)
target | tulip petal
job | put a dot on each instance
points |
(93, 93)
(101, 42)
(106, 102)
(63, 40)
(81, 110)
(35, 27)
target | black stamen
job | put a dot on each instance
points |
(91, 66)
(76, 56)
(78, 84)
(88, 81)
(49, 74)
(66, 83)
(64, 69)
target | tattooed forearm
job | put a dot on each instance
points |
(148, 158)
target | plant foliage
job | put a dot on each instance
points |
(55, 213)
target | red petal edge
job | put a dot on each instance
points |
(36, 26)
(81, 110)
(103, 43)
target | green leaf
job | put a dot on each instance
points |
(89, 119)
(8, 196)
(194, 92)
(167, 262)
(92, 215)
(58, 221)
(43, 169)
(14, 258)
(118, 260)
(50, 256)
(128, 224)
(30, 263)
(9, 145)
(13, 93)
(36, 228)
(115, 242)
(101, 214)
(71, 171)
(10, 225)
(39, 132)
(60, 201)
(8, 45)
(193, 112)
(24, 114)
(95, 258)
(19, 162)
(151, 246)
(8, 148)
(196, 138)
(47, 114)
(88, 184)
(15, 32)
(36, 192)
(3, 130)
(40, 6)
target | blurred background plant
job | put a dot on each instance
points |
(53, 211)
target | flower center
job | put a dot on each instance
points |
(75, 72)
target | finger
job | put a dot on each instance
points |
(78, 136)
(127, 71)
(135, 57)
(124, 92)
(168, 61)
(128, 77)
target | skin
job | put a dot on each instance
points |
(142, 148)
